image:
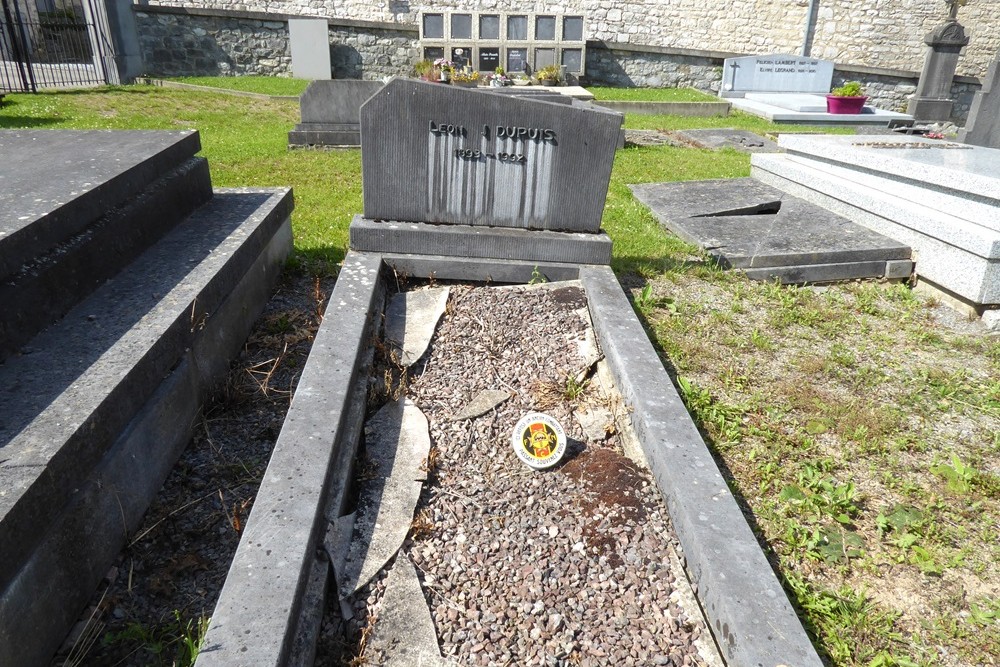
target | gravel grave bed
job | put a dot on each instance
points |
(575, 565)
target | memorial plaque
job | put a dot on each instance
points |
(443, 154)
(516, 59)
(778, 73)
(489, 59)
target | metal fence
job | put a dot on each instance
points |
(66, 46)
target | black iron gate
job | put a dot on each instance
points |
(54, 44)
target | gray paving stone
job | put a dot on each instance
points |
(745, 224)
(728, 137)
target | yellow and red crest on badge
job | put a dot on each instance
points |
(539, 440)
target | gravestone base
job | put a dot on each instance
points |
(479, 242)
(928, 109)
(331, 135)
(809, 109)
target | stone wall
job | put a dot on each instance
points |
(184, 45)
(199, 43)
(873, 33)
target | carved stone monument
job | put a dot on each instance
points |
(932, 101)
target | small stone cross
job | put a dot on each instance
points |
(953, 6)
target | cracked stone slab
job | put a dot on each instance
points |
(482, 403)
(728, 137)
(746, 224)
(410, 321)
(404, 632)
(397, 442)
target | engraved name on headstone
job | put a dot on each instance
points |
(440, 154)
(778, 73)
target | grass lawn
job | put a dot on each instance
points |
(651, 94)
(268, 85)
(858, 427)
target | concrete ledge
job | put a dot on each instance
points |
(752, 619)
(55, 205)
(53, 282)
(48, 574)
(700, 109)
(259, 608)
(479, 242)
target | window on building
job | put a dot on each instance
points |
(517, 27)
(461, 26)
(572, 28)
(489, 26)
(545, 28)
(433, 26)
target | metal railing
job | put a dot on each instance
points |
(65, 48)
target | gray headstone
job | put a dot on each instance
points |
(310, 45)
(441, 154)
(777, 73)
(932, 99)
(983, 126)
(331, 112)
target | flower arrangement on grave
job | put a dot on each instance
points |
(549, 75)
(425, 70)
(445, 69)
(499, 78)
(521, 79)
(849, 98)
(468, 78)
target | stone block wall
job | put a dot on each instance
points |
(873, 33)
(622, 68)
(237, 43)
(188, 45)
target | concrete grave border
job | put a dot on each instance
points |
(260, 618)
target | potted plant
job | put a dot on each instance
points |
(521, 80)
(499, 78)
(846, 99)
(549, 75)
(465, 78)
(445, 68)
(425, 70)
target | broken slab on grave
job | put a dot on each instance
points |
(745, 224)
(404, 633)
(728, 137)
(410, 320)
(397, 444)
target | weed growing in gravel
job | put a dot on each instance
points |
(175, 642)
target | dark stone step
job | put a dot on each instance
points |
(97, 412)
(51, 283)
(56, 183)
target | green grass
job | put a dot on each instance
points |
(267, 85)
(651, 94)
(860, 434)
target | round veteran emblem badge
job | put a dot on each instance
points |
(539, 440)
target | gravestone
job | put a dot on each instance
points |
(330, 112)
(309, 41)
(777, 73)
(983, 126)
(932, 99)
(440, 154)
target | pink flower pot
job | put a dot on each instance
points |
(835, 104)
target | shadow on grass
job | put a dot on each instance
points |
(23, 122)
